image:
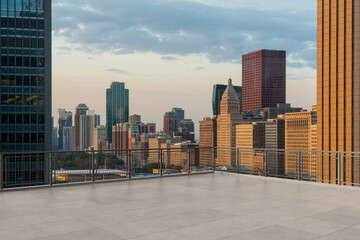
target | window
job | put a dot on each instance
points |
(4, 137)
(4, 4)
(26, 137)
(33, 62)
(4, 118)
(11, 61)
(3, 61)
(18, 4)
(33, 119)
(40, 5)
(19, 100)
(41, 81)
(41, 62)
(11, 4)
(11, 118)
(33, 138)
(18, 23)
(26, 5)
(32, 5)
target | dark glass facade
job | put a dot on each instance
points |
(218, 91)
(25, 88)
(117, 107)
(263, 79)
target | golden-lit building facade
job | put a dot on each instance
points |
(207, 140)
(227, 120)
(338, 86)
(300, 134)
(250, 137)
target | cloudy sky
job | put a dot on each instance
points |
(169, 53)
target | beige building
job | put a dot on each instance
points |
(227, 120)
(98, 137)
(250, 137)
(162, 142)
(300, 134)
(207, 140)
(338, 86)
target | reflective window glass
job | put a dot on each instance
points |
(40, 5)
(26, 4)
(11, 4)
(19, 4)
(4, 4)
(32, 4)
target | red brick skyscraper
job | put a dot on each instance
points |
(263, 79)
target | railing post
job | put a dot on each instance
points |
(237, 161)
(213, 159)
(1, 172)
(339, 160)
(50, 166)
(265, 162)
(161, 162)
(93, 163)
(189, 161)
(128, 154)
(299, 167)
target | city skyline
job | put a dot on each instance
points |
(180, 78)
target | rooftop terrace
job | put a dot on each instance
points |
(206, 206)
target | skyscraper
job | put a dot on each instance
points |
(81, 110)
(299, 131)
(218, 91)
(263, 79)
(226, 126)
(338, 86)
(117, 106)
(179, 115)
(170, 123)
(64, 120)
(68, 139)
(26, 87)
(207, 140)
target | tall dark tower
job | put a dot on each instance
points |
(117, 107)
(263, 79)
(25, 89)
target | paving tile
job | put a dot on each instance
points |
(275, 232)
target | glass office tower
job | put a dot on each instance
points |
(25, 89)
(117, 107)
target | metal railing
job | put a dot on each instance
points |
(31, 169)
(342, 168)
(24, 170)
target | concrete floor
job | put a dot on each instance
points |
(210, 206)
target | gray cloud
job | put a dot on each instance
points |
(184, 27)
(168, 58)
(199, 68)
(117, 70)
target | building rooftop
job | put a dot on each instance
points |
(207, 206)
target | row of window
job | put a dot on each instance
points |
(22, 42)
(22, 81)
(21, 147)
(30, 33)
(40, 71)
(12, 61)
(31, 5)
(22, 137)
(22, 23)
(13, 51)
(19, 118)
(22, 128)
(19, 109)
(19, 90)
(10, 99)
(12, 13)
